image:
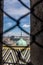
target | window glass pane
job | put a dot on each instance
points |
(17, 36)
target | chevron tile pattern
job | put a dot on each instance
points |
(10, 56)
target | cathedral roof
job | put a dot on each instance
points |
(21, 42)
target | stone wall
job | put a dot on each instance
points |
(36, 25)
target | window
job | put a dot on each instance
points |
(16, 36)
(10, 53)
(16, 21)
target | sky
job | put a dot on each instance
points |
(15, 9)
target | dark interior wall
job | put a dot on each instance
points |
(1, 30)
(37, 25)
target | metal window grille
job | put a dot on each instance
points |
(32, 9)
